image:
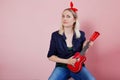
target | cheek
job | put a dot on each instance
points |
(72, 21)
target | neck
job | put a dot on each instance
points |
(68, 30)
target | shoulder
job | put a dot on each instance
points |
(55, 33)
(82, 32)
(82, 35)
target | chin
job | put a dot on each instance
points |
(65, 25)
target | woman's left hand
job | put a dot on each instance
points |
(90, 44)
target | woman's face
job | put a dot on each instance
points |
(67, 19)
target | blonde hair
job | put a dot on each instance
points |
(76, 24)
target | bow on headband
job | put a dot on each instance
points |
(71, 7)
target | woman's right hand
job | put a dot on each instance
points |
(71, 61)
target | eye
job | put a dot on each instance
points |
(63, 16)
(68, 16)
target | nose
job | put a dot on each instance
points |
(64, 19)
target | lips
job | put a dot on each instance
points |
(65, 22)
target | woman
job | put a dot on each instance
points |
(64, 44)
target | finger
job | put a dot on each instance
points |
(72, 64)
(71, 57)
(91, 43)
(77, 59)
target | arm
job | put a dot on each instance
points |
(60, 60)
(57, 59)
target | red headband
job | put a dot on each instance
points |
(71, 7)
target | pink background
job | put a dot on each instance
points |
(25, 31)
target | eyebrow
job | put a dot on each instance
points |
(66, 15)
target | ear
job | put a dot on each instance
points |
(74, 20)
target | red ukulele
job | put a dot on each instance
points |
(80, 55)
